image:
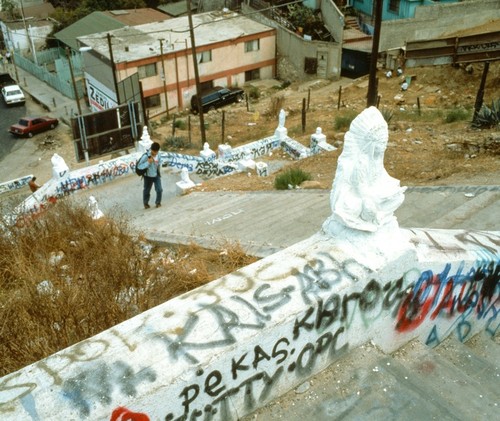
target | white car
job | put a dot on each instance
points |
(12, 94)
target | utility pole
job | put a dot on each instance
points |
(164, 76)
(113, 68)
(480, 92)
(372, 81)
(28, 36)
(196, 74)
(77, 99)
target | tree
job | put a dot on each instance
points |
(11, 9)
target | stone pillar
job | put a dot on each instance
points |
(247, 163)
(319, 144)
(262, 169)
(225, 152)
(316, 138)
(185, 183)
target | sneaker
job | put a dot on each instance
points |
(146, 206)
(158, 205)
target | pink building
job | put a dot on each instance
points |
(231, 50)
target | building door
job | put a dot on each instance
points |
(322, 56)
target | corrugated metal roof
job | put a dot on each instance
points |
(90, 24)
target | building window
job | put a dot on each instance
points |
(394, 5)
(252, 75)
(204, 57)
(147, 70)
(253, 45)
(152, 101)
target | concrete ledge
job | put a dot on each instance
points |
(221, 351)
(15, 184)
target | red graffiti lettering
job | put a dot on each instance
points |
(417, 305)
(123, 414)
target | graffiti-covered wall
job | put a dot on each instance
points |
(223, 350)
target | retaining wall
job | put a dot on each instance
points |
(437, 21)
(223, 350)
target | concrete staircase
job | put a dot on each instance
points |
(454, 381)
(266, 222)
(353, 32)
(351, 22)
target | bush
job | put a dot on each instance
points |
(176, 142)
(253, 92)
(180, 124)
(488, 117)
(291, 178)
(285, 84)
(458, 114)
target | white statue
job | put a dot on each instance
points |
(95, 212)
(281, 118)
(145, 143)
(364, 196)
(59, 167)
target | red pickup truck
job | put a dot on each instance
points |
(28, 126)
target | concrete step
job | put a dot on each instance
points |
(450, 382)
(451, 207)
(351, 22)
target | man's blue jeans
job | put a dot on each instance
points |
(146, 192)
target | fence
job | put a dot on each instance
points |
(60, 77)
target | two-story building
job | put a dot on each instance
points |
(231, 50)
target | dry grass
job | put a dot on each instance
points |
(66, 277)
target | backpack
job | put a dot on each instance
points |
(140, 172)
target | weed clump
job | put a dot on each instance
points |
(291, 179)
(176, 142)
(457, 114)
(65, 277)
(342, 122)
(254, 93)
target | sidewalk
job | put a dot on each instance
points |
(52, 100)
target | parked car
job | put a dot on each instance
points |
(217, 97)
(28, 126)
(12, 94)
(6, 79)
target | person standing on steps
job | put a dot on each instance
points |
(33, 185)
(152, 162)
